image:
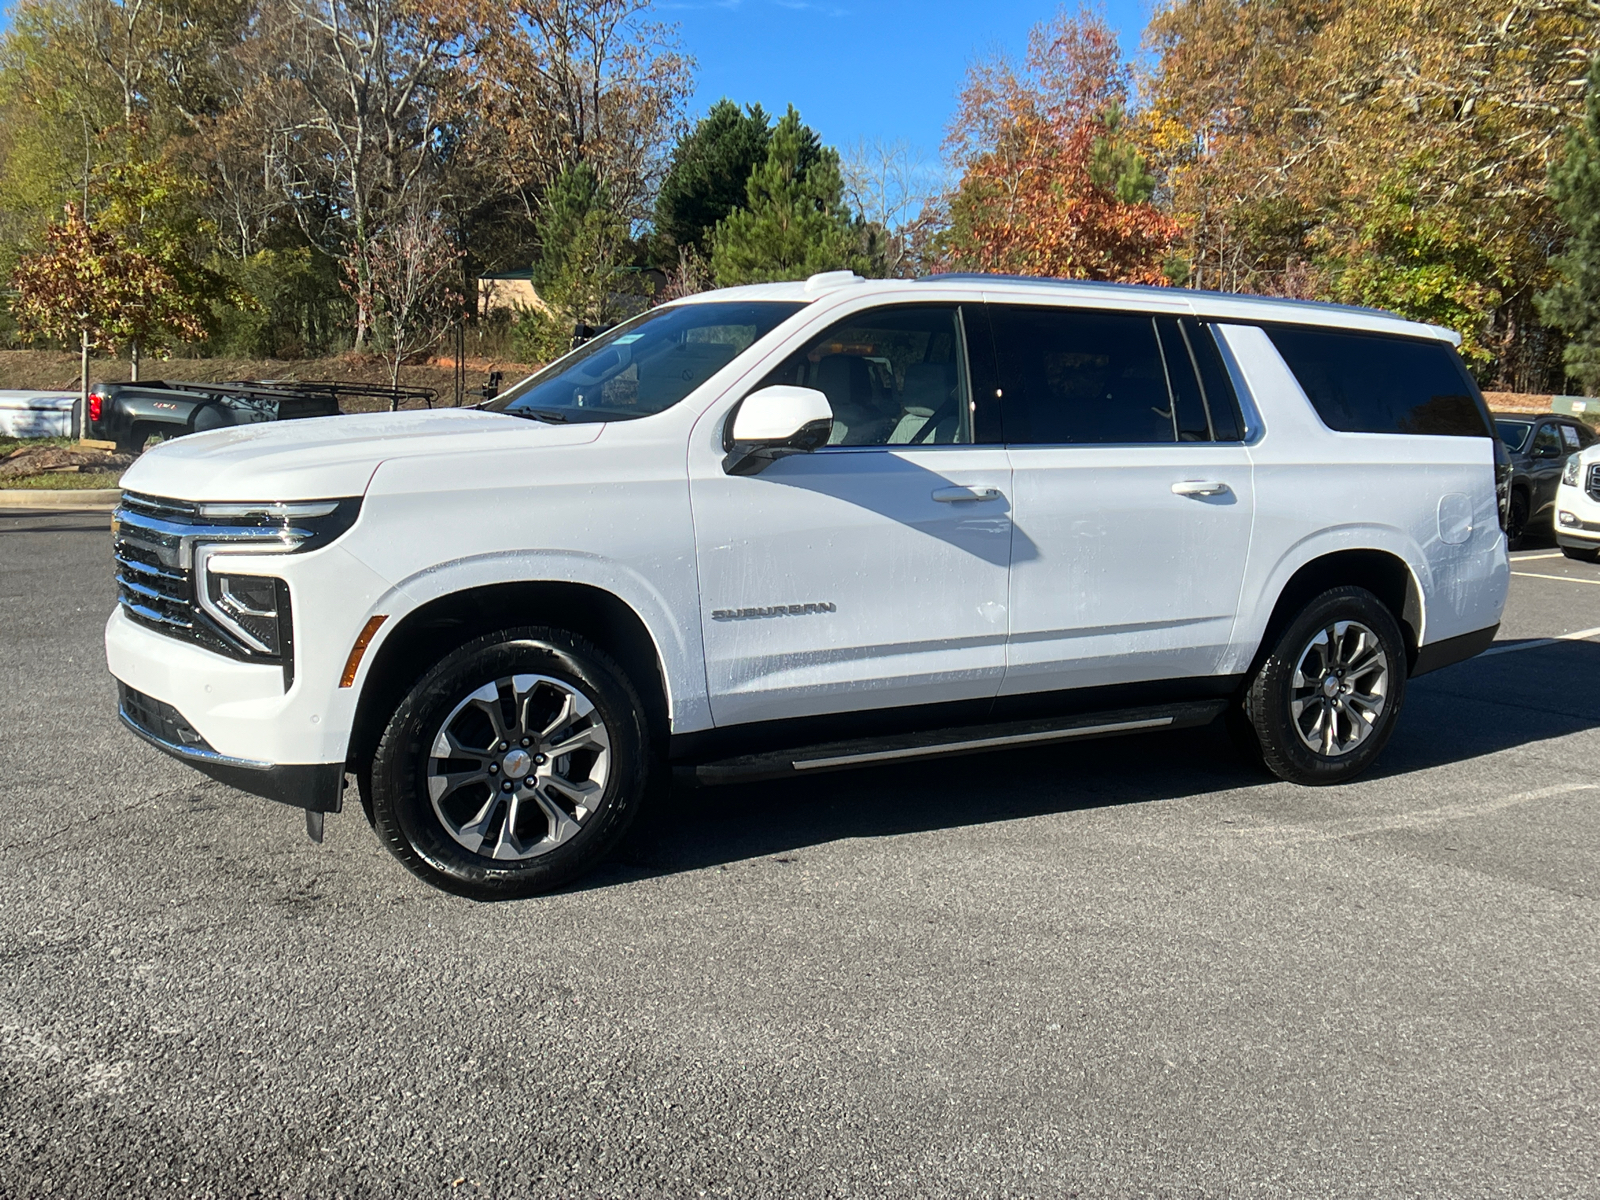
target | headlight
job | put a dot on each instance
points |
(253, 608)
(1569, 474)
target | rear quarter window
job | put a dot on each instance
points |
(1372, 383)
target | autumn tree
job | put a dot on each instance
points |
(89, 285)
(1390, 152)
(795, 222)
(1046, 187)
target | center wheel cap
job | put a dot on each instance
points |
(516, 764)
(1330, 689)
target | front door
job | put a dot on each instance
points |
(1133, 513)
(871, 573)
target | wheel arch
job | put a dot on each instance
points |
(1384, 573)
(426, 634)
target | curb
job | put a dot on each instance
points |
(61, 499)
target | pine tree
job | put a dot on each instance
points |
(1573, 304)
(583, 263)
(795, 222)
(710, 167)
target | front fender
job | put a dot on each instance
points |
(676, 641)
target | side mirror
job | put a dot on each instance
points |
(774, 422)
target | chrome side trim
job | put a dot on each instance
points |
(1049, 735)
(189, 753)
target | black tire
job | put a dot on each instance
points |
(1581, 554)
(1517, 520)
(1269, 702)
(410, 823)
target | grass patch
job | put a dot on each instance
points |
(73, 480)
(8, 444)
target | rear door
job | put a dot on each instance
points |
(1132, 497)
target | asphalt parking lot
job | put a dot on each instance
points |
(1126, 968)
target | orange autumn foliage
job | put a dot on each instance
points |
(1037, 147)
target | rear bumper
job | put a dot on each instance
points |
(1453, 650)
(316, 787)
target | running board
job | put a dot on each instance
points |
(973, 739)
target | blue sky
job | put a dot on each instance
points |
(861, 69)
(856, 69)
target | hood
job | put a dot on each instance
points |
(323, 457)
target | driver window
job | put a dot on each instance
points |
(1547, 443)
(893, 377)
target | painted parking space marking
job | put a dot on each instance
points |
(1528, 556)
(1421, 819)
(1562, 578)
(1535, 643)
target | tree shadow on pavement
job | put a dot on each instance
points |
(1467, 711)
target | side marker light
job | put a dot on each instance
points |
(363, 640)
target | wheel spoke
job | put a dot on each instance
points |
(472, 833)
(573, 706)
(562, 826)
(592, 738)
(441, 785)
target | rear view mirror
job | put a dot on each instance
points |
(773, 422)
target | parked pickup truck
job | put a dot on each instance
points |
(132, 413)
(774, 531)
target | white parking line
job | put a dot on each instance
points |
(1581, 635)
(1562, 578)
(1525, 555)
(1399, 822)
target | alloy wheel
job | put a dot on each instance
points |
(518, 766)
(1340, 688)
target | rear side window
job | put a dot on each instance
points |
(1371, 383)
(1073, 376)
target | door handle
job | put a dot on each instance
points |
(1200, 487)
(958, 495)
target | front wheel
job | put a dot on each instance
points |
(513, 766)
(1325, 701)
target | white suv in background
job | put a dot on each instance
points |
(1578, 507)
(798, 527)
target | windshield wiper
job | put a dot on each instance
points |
(549, 416)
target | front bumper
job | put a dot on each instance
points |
(315, 787)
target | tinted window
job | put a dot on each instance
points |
(1369, 383)
(1074, 377)
(1569, 437)
(645, 365)
(1513, 433)
(1188, 399)
(1227, 424)
(893, 377)
(1547, 442)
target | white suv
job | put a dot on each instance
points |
(804, 526)
(1578, 507)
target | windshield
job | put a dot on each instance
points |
(645, 365)
(1513, 433)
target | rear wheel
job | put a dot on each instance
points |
(1517, 520)
(1324, 702)
(1582, 553)
(513, 766)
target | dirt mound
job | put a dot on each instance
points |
(42, 460)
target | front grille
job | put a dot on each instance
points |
(1593, 487)
(155, 576)
(161, 721)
